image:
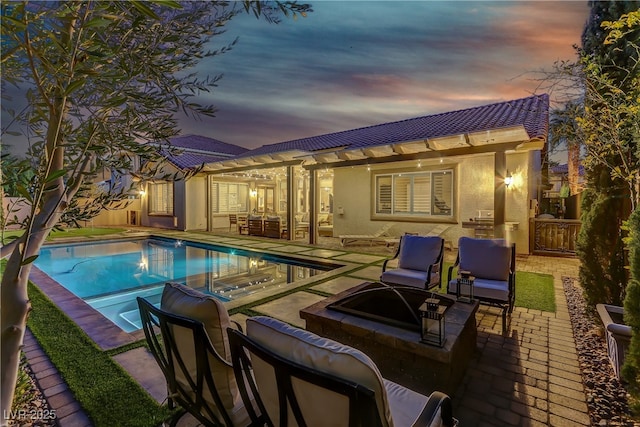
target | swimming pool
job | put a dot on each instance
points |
(109, 275)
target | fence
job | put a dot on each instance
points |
(553, 236)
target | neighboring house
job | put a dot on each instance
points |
(447, 168)
(557, 199)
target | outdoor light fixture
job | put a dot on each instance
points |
(432, 316)
(253, 192)
(465, 286)
(508, 180)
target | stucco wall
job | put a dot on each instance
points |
(196, 203)
(475, 191)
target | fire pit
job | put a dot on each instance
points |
(391, 305)
(383, 322)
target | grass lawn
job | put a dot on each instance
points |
(68, 232)
(533, 290)
(106, 391)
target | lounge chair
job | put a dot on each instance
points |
(419, 262)
(380, 236)
(493, 265)
(194, 355)
(302, 379)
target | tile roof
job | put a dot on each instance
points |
(194, 150)
(531, 113)
(203, 143)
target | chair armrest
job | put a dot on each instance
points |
(450, 272)
(237, 325)
(384, 264)
(438, 406)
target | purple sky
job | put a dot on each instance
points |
(350, 64)
(359, 63)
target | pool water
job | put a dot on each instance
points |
(110, 275)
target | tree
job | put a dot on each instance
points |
(103, 81)
(564, 131)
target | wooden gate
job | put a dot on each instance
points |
(553, 236)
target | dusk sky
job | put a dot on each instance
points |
(350, 64)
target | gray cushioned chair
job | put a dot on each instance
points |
(302, 379)
(493, 265)
(419, 262)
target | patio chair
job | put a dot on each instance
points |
(273, 227)
(239, 222)
(380, 236)
(493, 265)
(419, 262)
(233, 220)
(255, 226)
(301, 379)
(194, 356)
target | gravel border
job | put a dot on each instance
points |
(37, 404)
(606, 397)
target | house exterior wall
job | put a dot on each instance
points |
(354, 192)
(196, 203)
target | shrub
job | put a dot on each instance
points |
(631, 368)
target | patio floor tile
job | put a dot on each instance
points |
(335, 286)
(369, 273)
(323, 253)
(361, 258)
(288, 307)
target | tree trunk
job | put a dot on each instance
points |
(15, 310)
(574, 168)
(13, 322)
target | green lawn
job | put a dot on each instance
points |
(68, 232)
(106, 391)
(533, 290)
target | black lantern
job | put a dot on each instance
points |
(465, 286)
(432, 314)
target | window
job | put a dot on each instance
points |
(161, 198)
(427, 193)
(229, 197)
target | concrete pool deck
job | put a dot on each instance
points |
(530, 377)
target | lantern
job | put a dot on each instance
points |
(433, 328)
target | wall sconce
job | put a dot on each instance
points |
(253, 192)
(508, 180)
(142, 193)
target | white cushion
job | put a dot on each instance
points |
(318, 353)
(405, 404)
(185, 301)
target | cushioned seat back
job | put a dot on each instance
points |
(187, 302)
(320, 406)
(485, 258)
(419, 252)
